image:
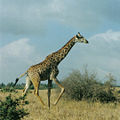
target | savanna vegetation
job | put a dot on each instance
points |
(12, 108)
(85, 98)
(88, 87)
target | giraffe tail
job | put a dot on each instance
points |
(19, 78)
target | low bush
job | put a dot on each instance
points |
(12, 109)
(8, 89)
(86, 87)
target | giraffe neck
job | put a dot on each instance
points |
(61, 53)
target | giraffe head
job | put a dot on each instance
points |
(80, 38)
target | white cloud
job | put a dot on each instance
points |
(107, 42)
(106, 51)
(15, 58)
(109, 36)
(19, 49)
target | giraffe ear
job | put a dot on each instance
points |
(79, 34)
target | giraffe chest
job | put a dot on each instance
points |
(44, 73)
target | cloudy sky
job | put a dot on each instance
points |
(32, 29)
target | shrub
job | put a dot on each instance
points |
(8, 89)
(11, 109)
(85, 86)
(2, 85)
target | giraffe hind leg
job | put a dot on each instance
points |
(28, 83)
(37, 94)
(36, 82)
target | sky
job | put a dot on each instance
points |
(32, 29)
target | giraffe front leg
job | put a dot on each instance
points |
(62, 90)
(49, 91)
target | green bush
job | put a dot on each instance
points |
(2, 85)
(86, 87)
(11, 109)
(8, 89)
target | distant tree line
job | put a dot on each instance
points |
(22, 85)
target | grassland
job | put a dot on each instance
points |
(67, 109)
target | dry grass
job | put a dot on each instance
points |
(67, 109)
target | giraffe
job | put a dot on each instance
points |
(48, 68)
